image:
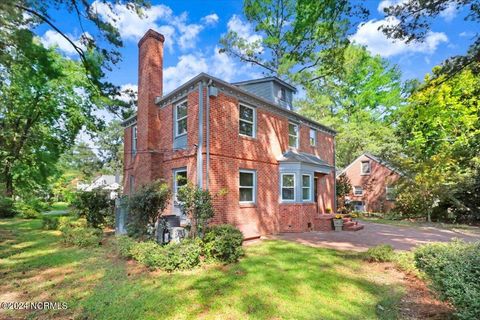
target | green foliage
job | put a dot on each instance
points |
(81, 236)
(145, 207)
(110, 142)
(380, 253)
(181, 256)
(124, 246)
(414, 23)
(7, 209)
(344, 187)
(96, 206)
(196, 203)
(359, 103)
(294, 36)
(223, 243)
(148, 253)
(454, 270)
(405, 261)
(70, 223)
(50, 222)
(80, 158)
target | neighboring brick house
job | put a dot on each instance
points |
(268, 168)
(373, 183)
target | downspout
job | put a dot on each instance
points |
(208, 133)
(334, 179)
(200, 136)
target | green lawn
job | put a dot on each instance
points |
(275, 280)
(58, 208)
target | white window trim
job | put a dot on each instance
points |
(314, 137)
(369, 166)
(386, 194)
(355, 193)
(179, 119)
(253, 123)
(175, 185)
(294, 186)
(134, 140)
(310, 196)
(297, 136)
(254, 187)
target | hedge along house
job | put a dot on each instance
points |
(268, 168)
(373, 183)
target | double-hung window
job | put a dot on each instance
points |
(134, 140)
(247, 186)
(306, 187)
(131, 184)
(366, 167)
(293, 135)
(247, 121)
(390, 193)
(288, 187)
(180, 179)
(358, 191)
(181, 118)
(313, 137)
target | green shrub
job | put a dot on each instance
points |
(82, 237)
(71, 222)
(125, 245)
(145, 207)
(223, 243)
(49, 223)
(7, 209)
(148, 253)
(29, 213)
(196, 204)
(181, 256)
(454, 269)
(405, 261)
(95, 206)
(380, 253)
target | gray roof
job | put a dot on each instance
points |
(294, 156)
(266, 79)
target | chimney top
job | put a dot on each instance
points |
(151, 34)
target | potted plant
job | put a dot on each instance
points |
(338, 222)
(328, 210)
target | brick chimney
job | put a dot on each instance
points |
(150, 85)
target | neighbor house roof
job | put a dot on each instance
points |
(374, 158)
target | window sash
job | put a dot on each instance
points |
(248, 123)
(306, 189)
(313, 137)
(288, 187)
(247, 187)
(366, 167)
(134, 140)
(176, 185)
(181, 122)
(358, 191)
(293, 137)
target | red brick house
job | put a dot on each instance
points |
(373, 183)
(268, 168)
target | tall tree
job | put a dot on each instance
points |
(415, 18)
(45, 100)
(110, 147)
(358, 103)
(295, 36)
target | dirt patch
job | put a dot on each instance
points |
(420, 302)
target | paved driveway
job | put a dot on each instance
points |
(402, 238)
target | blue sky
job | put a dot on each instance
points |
(193, 28)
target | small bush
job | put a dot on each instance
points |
(7, 209)
(196, 204)
(70, 223)
(125, 245)
(181, 256)
(405, 261)
(82, 237)
(49, 223)
(454, 269)
(148, 253)
(223, 243)
(95, 206)
(380, 253)
(28, 213)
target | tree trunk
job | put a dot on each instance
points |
(8, 182)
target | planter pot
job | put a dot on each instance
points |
(338, 224)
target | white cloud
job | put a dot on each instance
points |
(126, 90)
(188, 66)
(377, 43)
(243, 29)
(52, 38)
(388, 3)
(211, 19)
(450, 12)
(189, 32)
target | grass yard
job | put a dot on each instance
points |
(275, 280)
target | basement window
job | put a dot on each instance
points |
(181, 118)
